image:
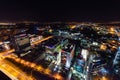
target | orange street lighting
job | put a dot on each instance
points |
(39, 68)
(103, 47)
(17, 60)
(47, 71)
(22, 62)
(27, 63)
(72, 27)
(112, 29)
(32, 65)
(9, 51)
(58, 76)
(39, 41)
(104, 78)
(50, 30)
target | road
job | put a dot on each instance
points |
(88, 69)
(39, 41)
(13, 72)
(10, 69)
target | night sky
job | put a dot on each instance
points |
(49, 11)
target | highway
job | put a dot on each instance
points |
(12, 70)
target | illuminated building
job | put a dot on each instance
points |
(84, 53)
(59, 58)
(69, 58)
(116, 60)
(21, 43)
